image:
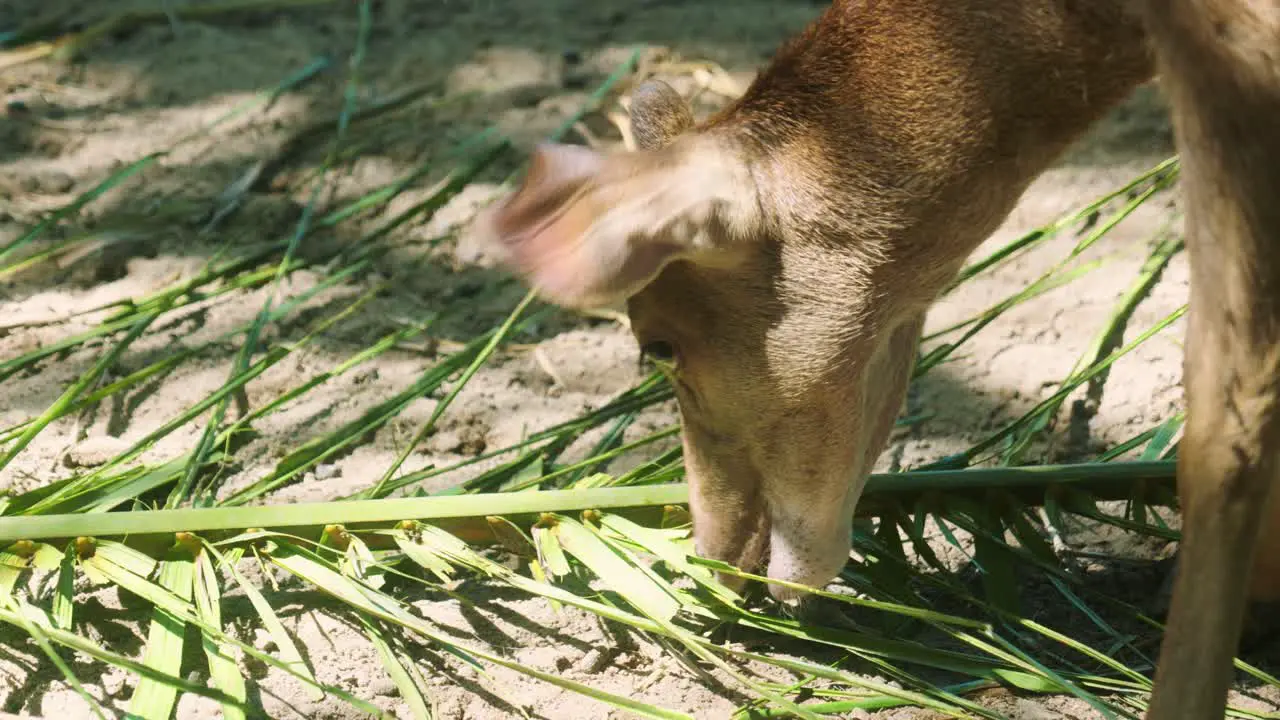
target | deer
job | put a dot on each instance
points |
(777, 259)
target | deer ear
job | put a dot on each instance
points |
(589, 230)
(658, 114)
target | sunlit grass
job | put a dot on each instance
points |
(574, 528)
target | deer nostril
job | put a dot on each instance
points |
(659, 350)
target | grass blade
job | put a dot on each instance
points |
(154, 699)
(208, 601)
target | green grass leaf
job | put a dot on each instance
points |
(222, 665)
(154, 699)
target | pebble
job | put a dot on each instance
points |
(263, 640)
(593, 662)
(53, 182)
(114, 683)
(383, 687)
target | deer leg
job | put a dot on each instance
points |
(1262, 618)
(1265, 586)
(1224, 478)
(1219, 62)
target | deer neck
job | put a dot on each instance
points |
(905, 132)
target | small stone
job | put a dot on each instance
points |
(527, 96)
(263, 641)
(53, 182)
(94, 451)
(58, 182)
(594, 661)
(1032, 711)
(327, 471)
(113, 683)
(383, 687)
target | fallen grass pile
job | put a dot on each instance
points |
(615, 545)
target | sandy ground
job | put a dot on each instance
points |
(524, 67)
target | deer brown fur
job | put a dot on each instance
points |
(780, 256)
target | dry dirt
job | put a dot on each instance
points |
(523, 66)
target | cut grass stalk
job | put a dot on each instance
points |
(181, 492)
(153, 699)
(119, 176)
(81, 244)
(75, 206)
(593, 101)
(480, 358)
(83, 383)
(266, 169)
(223, 670)
(170, 362)
(69, 46)
(348, 435)
(171, 298)
(869, 703)
(574, 472)
(608, 446)
(966, 458)
(100, 478)
(651, 391)
(441, 547)
(383, 195)
(311, 568)
(1054, 277)
(233, 272)
(1105, 341)
(1162, 174)
(404, 674)
(1051, 280)
(1156, 439)
(21, 614)
(1028, 484)
(31, 619)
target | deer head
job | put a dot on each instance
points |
(778, 258)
